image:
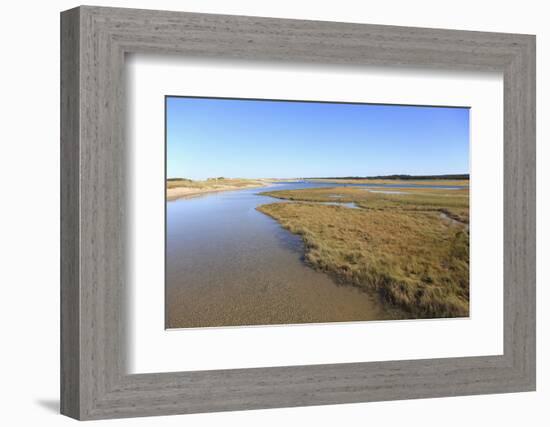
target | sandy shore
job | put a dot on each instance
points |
(187, 192)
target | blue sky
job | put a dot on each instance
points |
(270, 139)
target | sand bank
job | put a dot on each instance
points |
(186, 192)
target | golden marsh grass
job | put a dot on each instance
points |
(412, 247)
(442, 182)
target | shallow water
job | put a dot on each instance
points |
(228, 264)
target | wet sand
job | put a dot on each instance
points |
(259, 291)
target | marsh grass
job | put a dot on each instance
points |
(442, 182)
(454, 203)
(398, 245)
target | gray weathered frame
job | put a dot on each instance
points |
(94, 41)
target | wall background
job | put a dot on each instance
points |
(29, 215)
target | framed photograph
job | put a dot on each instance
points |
(318, 242)
(262, 213)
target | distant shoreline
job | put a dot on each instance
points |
(181, 188)
(393, 182)
(400, 177)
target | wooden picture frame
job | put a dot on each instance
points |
(94, 382)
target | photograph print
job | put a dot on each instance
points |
(282, 212)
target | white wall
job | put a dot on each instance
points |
(29, 226)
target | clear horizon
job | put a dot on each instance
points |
(238, 138)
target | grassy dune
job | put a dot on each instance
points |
(412, 248)
(181, 187)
